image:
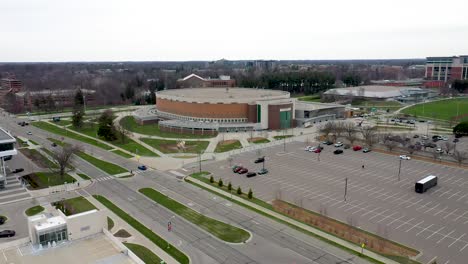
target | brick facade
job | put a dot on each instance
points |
(203, 110)
(274, 115)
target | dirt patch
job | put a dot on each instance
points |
(255, 139)
(344, 231)
(227, 142)
(122, 233)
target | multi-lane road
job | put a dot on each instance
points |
(271, 242)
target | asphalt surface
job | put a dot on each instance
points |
(434, 222)
(271, 243)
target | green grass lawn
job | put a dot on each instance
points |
(39, 159)
(121, 153)
(34, 210)
(170, 146)
(63, 122)
(110, 223)
(53, 178)
(143, 253)
(444, 109)
(83, 176)
(258, 140)
(130, 124)
(74, 205)
(219, 229)
(377, 104)
(108, 167)
(310, 98)
(90, 129)
(68, 133)
(33, 142)
(157, 240)
(131, 146)
(282, 137)
(227, 145)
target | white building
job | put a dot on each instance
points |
(7, 150)
(47, 229)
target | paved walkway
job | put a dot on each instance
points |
(136, 237)
(299, 224)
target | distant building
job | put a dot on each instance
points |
(441, 70)
(60, 98)
(9, 86)
(7, 150)
(193, 80)
(409, 82)
(380, 92)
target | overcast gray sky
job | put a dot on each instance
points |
(98, 30)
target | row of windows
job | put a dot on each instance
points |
(188, 118)
(6, 146)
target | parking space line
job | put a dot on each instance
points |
(462, 197)
(388, 216)
(436, 232)
(364, 208)
(381, 213)
(445, 236)
(460, 216)
(463, 247)
(432, 208)
(414, 226)
(450, 213)
(457, 239)
(413, 203)
(443, 210)
(394, 220)
(405, 223)
(449, 190)
(424, 229)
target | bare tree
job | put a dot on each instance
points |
(349, 130)
(337, 129)
(259, 152)
(326, 129)
(123, 133)
(411, 149)
(63, 157)
(449, 147)
(230, 159)
(460, 156)
(369, 134)
(390, 144)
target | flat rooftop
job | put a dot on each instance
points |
(97, 249)
(5, 135)
(222, 95)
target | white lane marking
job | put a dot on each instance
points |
(436, 232)
(445, 236)
(424, 229)
(456, 240)
(415, 226)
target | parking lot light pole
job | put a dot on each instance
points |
(399, 171)
(346, 188)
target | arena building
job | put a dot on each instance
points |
(202, 110)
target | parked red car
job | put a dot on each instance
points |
(243, 170)
(317, 150)
(236, 170)
(356, 148)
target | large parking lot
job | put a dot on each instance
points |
(436, 222)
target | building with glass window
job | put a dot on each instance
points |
(48, 229)
(7, 150)
(441, 70)
(211, 110)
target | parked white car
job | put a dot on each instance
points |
(404, 157)
(338, 144)
(444, 138)
(307, 148)
(439, 150)
(312, 149)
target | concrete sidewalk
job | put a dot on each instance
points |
(337, 240)
(136, 237)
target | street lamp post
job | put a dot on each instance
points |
(346, 188)
(399, 170)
